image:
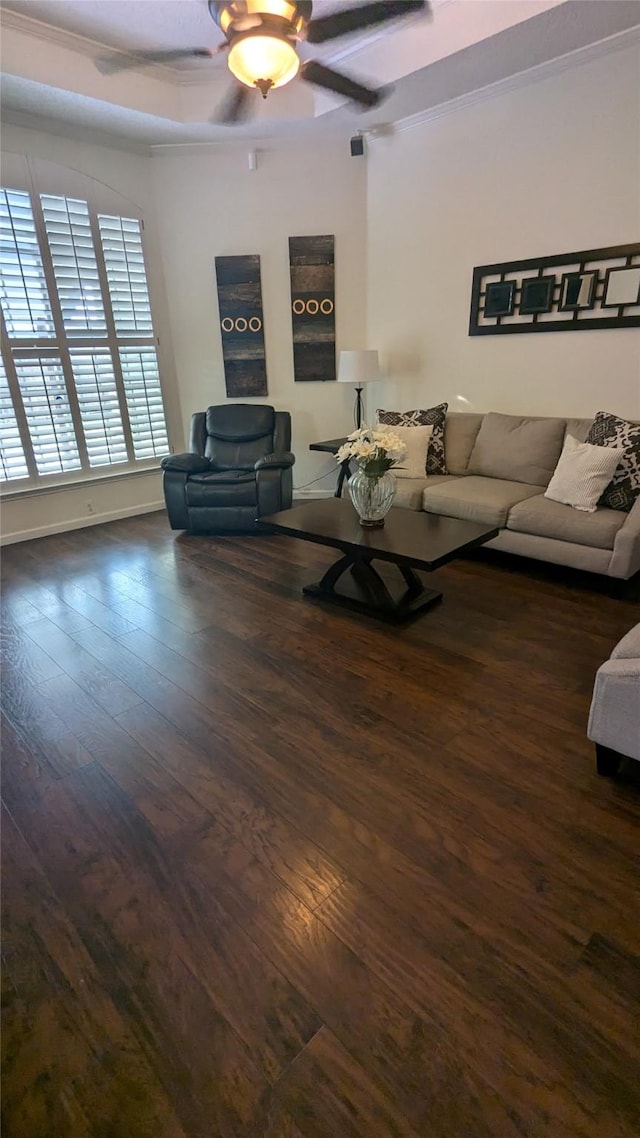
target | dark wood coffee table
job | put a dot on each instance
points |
(409, 539)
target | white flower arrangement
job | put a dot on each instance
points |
(375, 450)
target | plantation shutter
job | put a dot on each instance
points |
(83, 391)
(124, 261)
(12, 460)
(99, 407)
(74, 264)
(23, 287)
(129, 295)
(46, 405)
(144, 401)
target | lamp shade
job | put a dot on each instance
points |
(358, 367)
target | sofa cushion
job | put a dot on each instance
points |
(579, 428)
(545, 518)
(460, 430)
(410, 490)
(517, 449)
(612, 431)
(581, 475)
(476, 499)
(222, 489)
(409, 493)
(416, 440)
(422, 417)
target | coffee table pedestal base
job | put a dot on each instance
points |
(353, 583)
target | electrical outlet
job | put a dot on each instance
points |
(90, 508)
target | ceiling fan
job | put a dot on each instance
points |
(261, 38)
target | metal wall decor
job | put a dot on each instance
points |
(570, 292)
(240, 303)
(312, 267)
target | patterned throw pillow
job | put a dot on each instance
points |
(612, 431)
(431, 417)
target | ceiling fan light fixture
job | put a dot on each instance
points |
(240, 15)
(257, 59)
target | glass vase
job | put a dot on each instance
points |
(372, 495)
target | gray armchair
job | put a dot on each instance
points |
(238, 468)
(614, 719)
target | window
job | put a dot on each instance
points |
(79, 382)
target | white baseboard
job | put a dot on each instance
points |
(307, 495)
(80, 523)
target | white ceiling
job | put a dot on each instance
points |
(49, 47)
(141, 23)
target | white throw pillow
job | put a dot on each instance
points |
(416, 440)
(582, 473)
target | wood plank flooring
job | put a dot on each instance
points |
(273, 870)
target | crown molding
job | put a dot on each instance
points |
(239, 146)
(82, 45)
(621, 41)
(39, 30)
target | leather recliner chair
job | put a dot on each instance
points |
(238, 468)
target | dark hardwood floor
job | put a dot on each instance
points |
(273, 870)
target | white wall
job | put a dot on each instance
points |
(128, 173)
(210, 205)
(550, 167)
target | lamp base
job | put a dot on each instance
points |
(358, 408)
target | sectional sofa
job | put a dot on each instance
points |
(499, 476)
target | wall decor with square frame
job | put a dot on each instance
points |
(499, 298)
(578, 291)
(621, 286)
(536, 295)
(567, 292)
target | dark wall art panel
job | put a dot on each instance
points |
(569, 292)
(241, 325)
(312, 266)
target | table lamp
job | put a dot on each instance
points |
(358, 367)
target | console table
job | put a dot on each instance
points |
(330, 446)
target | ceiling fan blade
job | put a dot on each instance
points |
(235, 107)
(322, 76)
(125, 60)
(355, 19)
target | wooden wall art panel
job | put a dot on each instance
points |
(312, 266)
(241, 324)
(569, 292)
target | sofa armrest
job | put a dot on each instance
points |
(186, 463)
(614, 718)
(625, 559)
(278, 461)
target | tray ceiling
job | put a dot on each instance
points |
(49, 47)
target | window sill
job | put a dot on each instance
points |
(74, 484)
